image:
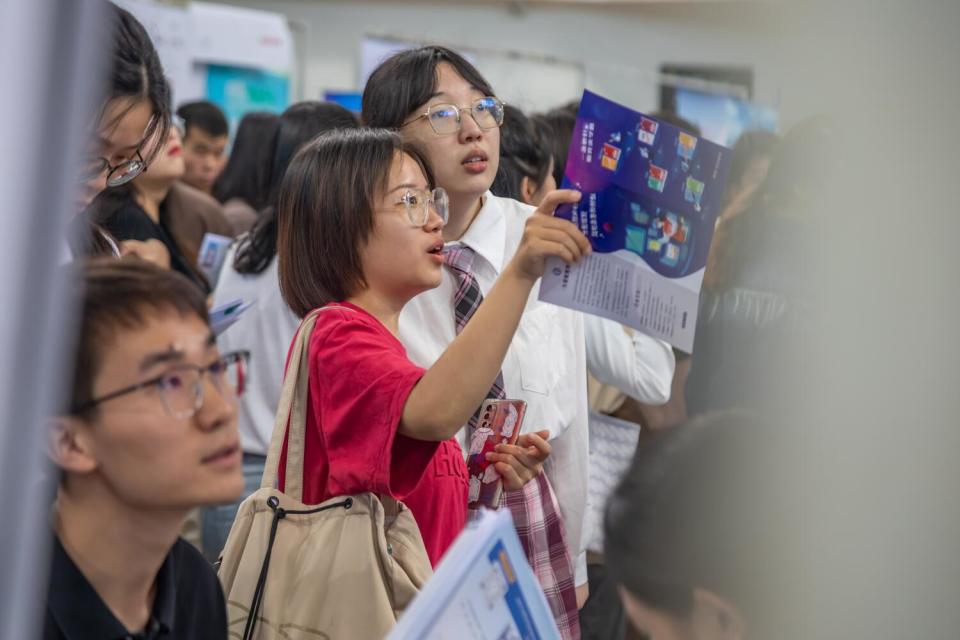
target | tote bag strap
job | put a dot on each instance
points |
(292, 413)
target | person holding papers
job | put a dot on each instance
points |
(439, 101)
(133, 114)
(624, 366)
(632, 362)
(360, 235)
(154, 207)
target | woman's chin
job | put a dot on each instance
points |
(431, 281)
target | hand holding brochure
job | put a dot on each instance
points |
(483, 589)
(651, 195)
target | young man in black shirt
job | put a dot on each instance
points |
(151, 433)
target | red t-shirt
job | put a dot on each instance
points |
(360, 378)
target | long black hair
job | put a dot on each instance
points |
(136, 73)
(247, 174)
(522, 155)
(299, 124)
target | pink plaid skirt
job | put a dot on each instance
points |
(540, 527)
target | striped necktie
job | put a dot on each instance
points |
(536, 514)
(466, 300)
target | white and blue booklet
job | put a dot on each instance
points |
(483, 589)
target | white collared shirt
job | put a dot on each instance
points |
(638, 365)
(545, 364)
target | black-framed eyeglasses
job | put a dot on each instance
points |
(445, 119)
(116, 174)
(181, 388)
(418, 203)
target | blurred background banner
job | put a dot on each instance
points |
(694, 58)
(242, 59)
(240, 90)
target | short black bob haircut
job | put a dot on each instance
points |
(326, 212)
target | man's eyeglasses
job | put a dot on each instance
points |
(445, 119)
(116, 174)
(181, 388)
(418, 203)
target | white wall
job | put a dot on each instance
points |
(621, 48)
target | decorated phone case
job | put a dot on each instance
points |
(499, 423)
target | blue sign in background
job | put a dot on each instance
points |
(647, 186)
(239, 91)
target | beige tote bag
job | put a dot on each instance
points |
(343, 569)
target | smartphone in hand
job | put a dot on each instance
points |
(499, 423)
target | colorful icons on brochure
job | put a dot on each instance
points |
(657, 178)
(693, 192)
(686, 145)
(663, 236)
(610, 157)
(648, 130)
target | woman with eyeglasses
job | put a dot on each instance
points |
(360, 235)
(438, 101)
(130, 122)
(164, 219)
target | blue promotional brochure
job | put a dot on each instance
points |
(483, 589)
(651, 195)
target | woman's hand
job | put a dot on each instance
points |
(545, 236)
(520, 463)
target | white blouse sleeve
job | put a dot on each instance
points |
(640, 366)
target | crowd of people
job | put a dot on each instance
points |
(421, 228)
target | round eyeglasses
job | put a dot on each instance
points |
(181, 388)
(418, 203)
(116, 174)
(445, 119)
